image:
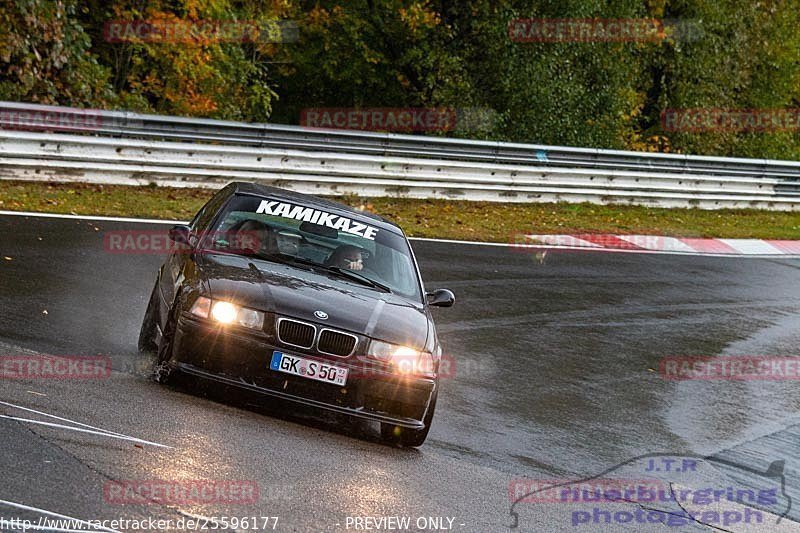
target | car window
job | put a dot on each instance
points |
(206, 213)
(328, 239)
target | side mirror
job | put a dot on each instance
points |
(441, 298)
(180, 234)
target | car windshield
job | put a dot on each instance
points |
(347, 247)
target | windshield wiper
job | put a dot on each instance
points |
(361, 278)
(288, 259)
(284, 259)
(304, 261)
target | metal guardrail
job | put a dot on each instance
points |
(130, 148)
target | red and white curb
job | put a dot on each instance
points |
(664, 245)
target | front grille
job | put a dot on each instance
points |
(336, 343)
(296, 333)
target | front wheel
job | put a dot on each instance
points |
(409, 438)
(147, 335)
(162, 370)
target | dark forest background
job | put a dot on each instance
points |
(456, 54)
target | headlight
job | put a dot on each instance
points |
(405, 360)
(224, 312)
(228, 313)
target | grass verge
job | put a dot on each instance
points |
(445, 219)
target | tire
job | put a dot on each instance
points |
(147, 335)
(409, 438)
(163, 372)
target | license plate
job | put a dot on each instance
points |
(308, 368)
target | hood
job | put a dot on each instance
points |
(296, 292)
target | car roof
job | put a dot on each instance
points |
(246, 187)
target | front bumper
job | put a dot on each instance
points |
(241, 359)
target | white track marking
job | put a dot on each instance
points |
(61, 419)
(772, 253)
(81, 430)
(474, 243)
(55, 515)
(562, 240)
(646, 252)
(90, 217)
(173, 222)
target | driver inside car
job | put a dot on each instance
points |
(346, 256)
(256, 237)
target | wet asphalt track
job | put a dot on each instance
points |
(556, 378)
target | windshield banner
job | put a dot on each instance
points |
(314, 216)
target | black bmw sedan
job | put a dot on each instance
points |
(302, 299)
